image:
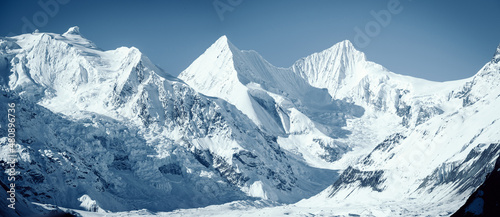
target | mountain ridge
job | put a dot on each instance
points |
(274, 98)
(420, 107)
(109, 130)
(141, 129)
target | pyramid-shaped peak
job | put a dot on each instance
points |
(223, 42)
(344, 45)
(75, 30)
(344, 48)
(223, 39)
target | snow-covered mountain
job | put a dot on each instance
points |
(111, 127)
(331, 106)
(110, 131)
(306, 120)
(439, 138)
(347, 75)
(432, 168)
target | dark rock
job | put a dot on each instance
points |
(485, 201)
(171, 168)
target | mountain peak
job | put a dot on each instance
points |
(338, 68)
(222, 39)
(214, 66)
(344, 46)
(346, 43)
(223, 42)
(75, 30)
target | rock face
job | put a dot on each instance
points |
(485, 201)
(110, 131)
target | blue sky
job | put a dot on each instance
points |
(435, 40)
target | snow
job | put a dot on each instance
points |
(332, 135)
(275, 99)
(75, 30)
(256, 190)
(437, 111)
(89, 204)
(124, 132)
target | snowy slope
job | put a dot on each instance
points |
(292, 103)
(392, 102)
(441, 138)
(111, 127)
(110, 131)
(429, 169)
(434, 167)
(306, 120)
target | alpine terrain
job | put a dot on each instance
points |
(108, 133)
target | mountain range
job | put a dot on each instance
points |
(334, 134)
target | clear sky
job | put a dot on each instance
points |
(435, 40)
